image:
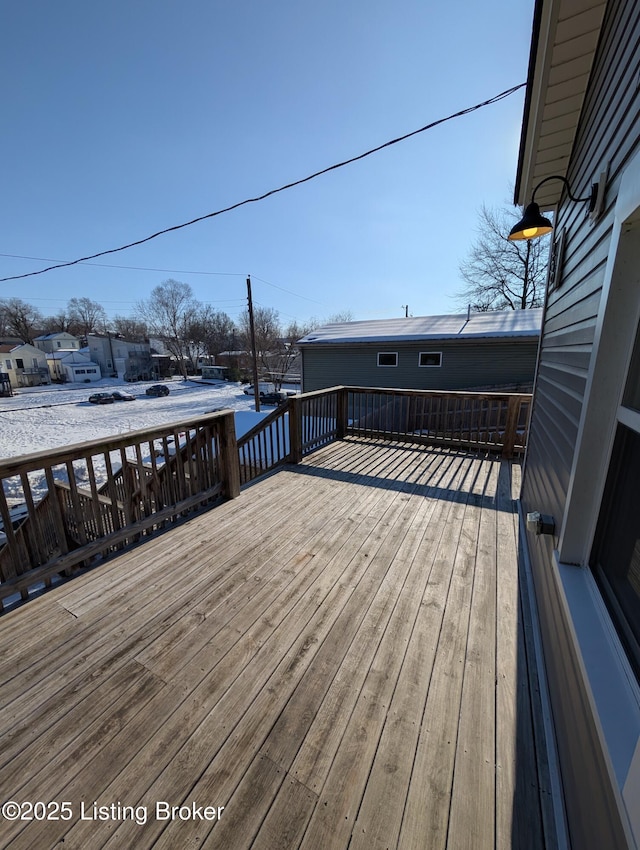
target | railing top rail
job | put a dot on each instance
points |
(325, 391)
(51, 457)
(416, 392)
(264, 423)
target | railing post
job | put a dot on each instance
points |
(10, 569)
(509, 439)
(230, 461)
(342, 416)
(295, 429)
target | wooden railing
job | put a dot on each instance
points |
(90, 499)
(491, 421)
(495, 422)
(266, 446)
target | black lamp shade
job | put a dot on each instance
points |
(531, 225)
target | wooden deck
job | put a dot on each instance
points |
(337, 657)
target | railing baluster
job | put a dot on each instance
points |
(95, 500)
(32, 531)
(116, 517)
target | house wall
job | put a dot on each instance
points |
(594, 697)
(120, 356)
(57, 342)
(32, 372)
(81, 373)
(465, 364)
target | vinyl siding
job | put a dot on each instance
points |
(464, 365)
(608, 133)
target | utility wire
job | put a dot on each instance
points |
(288, 291)
(113, 266)
(147, 269)
(268, 194)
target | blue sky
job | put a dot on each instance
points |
(123, 118)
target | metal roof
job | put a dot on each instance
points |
(490, 325)
(564, 41)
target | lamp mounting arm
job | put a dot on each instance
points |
(566, 183)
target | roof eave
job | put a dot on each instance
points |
(563, 45)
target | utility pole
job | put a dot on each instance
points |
(254, 353)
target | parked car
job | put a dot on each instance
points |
(101, 398)
(264, 387)
(157, 390)
(276, 397)
(121, 395)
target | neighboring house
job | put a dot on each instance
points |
(118, 357)
(214, 373)
(582, 468)
(25, 365)
(57, 342)
(494, 349)
(73, 367)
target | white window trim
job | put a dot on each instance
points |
(430, 365)
(388, 365)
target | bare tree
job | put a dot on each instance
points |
(286, 349)
(20, 319)
(168, 314)
(130, 328)
(60, 323)
(86, 316)
(499, 274)
(212, 331)
(268, 333)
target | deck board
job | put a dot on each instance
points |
(337, 657)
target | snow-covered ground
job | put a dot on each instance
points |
(43, 418)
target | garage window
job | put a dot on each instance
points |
(430, 358)
(387, 358)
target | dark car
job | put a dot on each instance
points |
(121, 395)
(101, 398)
(276, 397)
(157, 390)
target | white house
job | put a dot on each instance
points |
(57, 342)
(25, 365)
(73, 367)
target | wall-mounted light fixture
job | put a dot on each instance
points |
(534, 224)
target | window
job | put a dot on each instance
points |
(80, 372)
(616, 555)
(387, 358)
(430, 358)
(8, 364)
(91, 371)
(631, 396)
(556, 256)
(19, 363)
(616, 563)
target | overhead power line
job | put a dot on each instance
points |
(268, 194)
(113, 266)
(148, 269)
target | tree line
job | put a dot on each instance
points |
(187, 327)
